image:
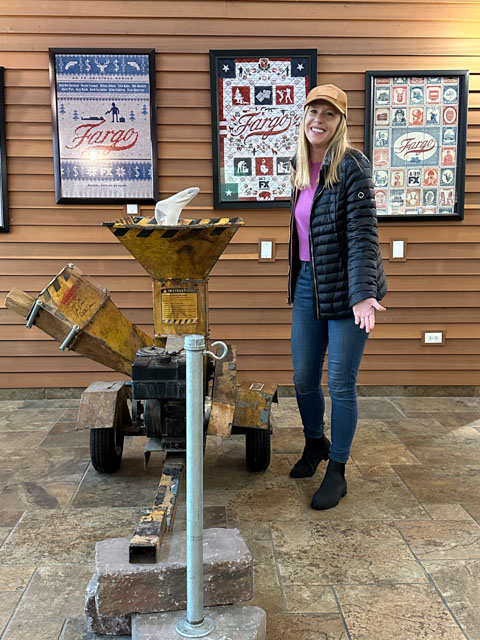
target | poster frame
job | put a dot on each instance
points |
(57, 156)
(457, 208)
(219, 202)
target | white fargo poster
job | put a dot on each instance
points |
(104, 118)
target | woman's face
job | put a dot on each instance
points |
(321, 123)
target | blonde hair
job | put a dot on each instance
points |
(339, 145)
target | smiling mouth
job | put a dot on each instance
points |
(316, 130)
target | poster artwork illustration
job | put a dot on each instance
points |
(260, 105)
(104, 128)
(415, 130)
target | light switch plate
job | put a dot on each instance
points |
(266, 250)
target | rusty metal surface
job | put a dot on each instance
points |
(188, 250)
(73, 298)
(158, 519)
(224, 393)
(103, 405)
(253, 405)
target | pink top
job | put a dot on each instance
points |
(302, 212)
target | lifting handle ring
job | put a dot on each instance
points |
(213, 355)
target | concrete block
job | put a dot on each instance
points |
(123, 588)
(235, 622)
(104, 625)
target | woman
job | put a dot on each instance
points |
(336, 279)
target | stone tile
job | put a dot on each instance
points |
(75, 629)
(267, 593)
(258, 538)
(29, 419)
(275, 503)
(8, 602)
(4, 533)
(22, 628)
(229, 472)
(9, 518)
(378, 409)
(213, 518)
(288, 440)
(447, 451)
(419, 426)
(129, 487)
(55, 592)
(343, 553)
(458, 582)
(54, 465)
(458, 420)
(374, 443)
(22, 440)
(286, 413)
(406, 611)
(305, 599)
(473, 509)
(442, 540)
(50, 537)
(376, 470)
(37, 495)
(305, 627)
(65, 434)
(433, 404)
(367, 499)
(15, 578)
(441, 484)
(447, 512)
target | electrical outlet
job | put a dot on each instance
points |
(266, 250)
(132, 209)
(398, 249)
(433, 337)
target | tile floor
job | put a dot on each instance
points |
(399, 557)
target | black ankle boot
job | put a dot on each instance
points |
(333, 487)
(316, 449)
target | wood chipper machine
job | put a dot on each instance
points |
(79, 313)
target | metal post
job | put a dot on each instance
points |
(196, 624)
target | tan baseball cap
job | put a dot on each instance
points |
(330, 93)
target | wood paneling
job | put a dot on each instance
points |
(438, 287)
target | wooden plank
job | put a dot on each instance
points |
(304, 10)
(320, 25)
(374, 45)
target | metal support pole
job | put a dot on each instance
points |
(196, 624)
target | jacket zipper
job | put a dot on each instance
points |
(312, 257)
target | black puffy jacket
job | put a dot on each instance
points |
(345, 256)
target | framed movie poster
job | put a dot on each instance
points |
(104, 125)
(4, 220)
(257, 104)
(415, 137)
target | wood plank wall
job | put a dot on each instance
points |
(438, 287)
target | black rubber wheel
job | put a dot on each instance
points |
(258, 449)
(106, 448)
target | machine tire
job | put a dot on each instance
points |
(106, 448)
(258, 449)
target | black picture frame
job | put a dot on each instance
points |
(416, 138)
(97, 161)
(4, 214)
(259, 113)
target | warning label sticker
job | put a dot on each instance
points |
(179, 306)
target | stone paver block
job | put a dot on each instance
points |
(245, 622)
(124, 588)
(107, 625)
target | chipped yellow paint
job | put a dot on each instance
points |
(186, 251)
(77, 298)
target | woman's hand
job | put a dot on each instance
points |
(364, 312)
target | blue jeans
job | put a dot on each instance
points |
(310, 339)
